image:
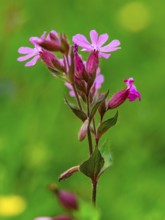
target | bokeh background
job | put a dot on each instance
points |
(38, 133)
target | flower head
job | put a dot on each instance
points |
(96, 44)
(33, 53)
(130, 92)
(133, 92)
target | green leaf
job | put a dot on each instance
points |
(86, 211)
(93, 165)
(79, 113)
(105, 152)
(104, 126)
(97, 104)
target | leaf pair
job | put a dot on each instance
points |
(99, 161)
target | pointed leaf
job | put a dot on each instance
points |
(79, 113)
(93, 165)
(104, 126)
(105, 152)
(97, 104)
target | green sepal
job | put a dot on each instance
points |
(105, 152)
(79, 113)
(93, 165)
(97, 104)
(58, 74)
(105, 125)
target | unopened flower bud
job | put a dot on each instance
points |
(64, 44)
(79, 66)
(67, 199)
(51, 60)
(92, 62)
(62, 217)
(118, 98)
(68, 172)
(52, 42)
(83, 130)
(59, 217)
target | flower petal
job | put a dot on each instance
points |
(71, 92)
(105, 55)
(134, 94)
(111, 46)
(26, 57)
(94, 37)
(33, 61)
(102, 39)
(98, 81)
(35, 40)
(25, 50)
(81, 41)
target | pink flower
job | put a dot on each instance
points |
(133, 92)
(97, 43)
(52, 42)
(119, 97)
(33, 53)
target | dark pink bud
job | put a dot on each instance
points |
(47, 58)
(79, 66)
(52, 42)
(63, 217)
(92, 62)
(67, 199)
(118, 98)
(52, 61)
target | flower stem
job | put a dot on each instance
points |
(77, 97)
(94, 192)
(88, 131)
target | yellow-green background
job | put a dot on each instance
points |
(38, 133)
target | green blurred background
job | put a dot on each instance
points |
(38, 133)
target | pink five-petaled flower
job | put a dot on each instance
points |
(96, 44)
(119, 97)
(33, 53)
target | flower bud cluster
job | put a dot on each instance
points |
(83, 78)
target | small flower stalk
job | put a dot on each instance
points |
(83, 78)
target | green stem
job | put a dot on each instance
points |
(88, 131)
(77, 97)
(94, 192)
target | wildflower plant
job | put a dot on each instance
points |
(83, 78)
